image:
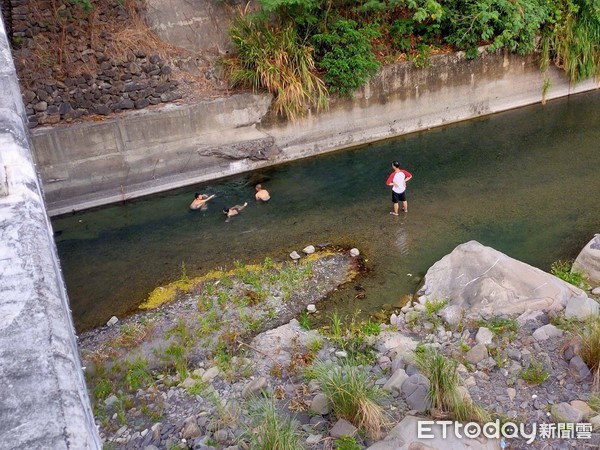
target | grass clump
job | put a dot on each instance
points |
(534, 373)
(589, 336)
(352, 395)
(272, 429)
(500, 325)
(444, 394)
(564, 271)
(433, 307)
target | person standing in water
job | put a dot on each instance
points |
(397, 180)
(262, 194)
(200, 201)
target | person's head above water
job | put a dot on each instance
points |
(396, 164)
(258, 187)
(225, 210)
(197, 194)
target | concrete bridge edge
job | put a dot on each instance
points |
(44, 401)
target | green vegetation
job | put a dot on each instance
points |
(272, 429)
(563, 270)
(589, 337)
(303, 50)
(432, 308)
(352, 395)
(534, 373)
(444, 393)
(500, 325)
(347, 443)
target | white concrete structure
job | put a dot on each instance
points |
(43, 398)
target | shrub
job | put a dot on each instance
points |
(352, 395)
(443, 387)
(502, 23)
(589, 336)
(275, 59)
(345, 54)
(273, 430)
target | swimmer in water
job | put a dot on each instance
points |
(200, 201)
(233, 211)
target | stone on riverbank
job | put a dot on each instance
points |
(588, 260)
(486, 282)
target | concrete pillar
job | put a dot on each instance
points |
(43, 397)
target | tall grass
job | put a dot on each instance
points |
(352, 395)
(571, 41)
(272, 429)
(277, 60)
(443, 392)
(589, 336)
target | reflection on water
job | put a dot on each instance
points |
(524, 182)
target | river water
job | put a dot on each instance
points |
(525, 182)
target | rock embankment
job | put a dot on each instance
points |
(525, 368)
(74, 63)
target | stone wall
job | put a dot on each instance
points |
(87, 77)
(43, 400)
(139, 153)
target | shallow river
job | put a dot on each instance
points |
(525, 182)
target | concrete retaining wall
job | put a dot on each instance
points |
(43, 398)
(91, 164)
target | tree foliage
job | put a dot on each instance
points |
(282, 47)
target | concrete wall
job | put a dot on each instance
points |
(91, 164)
(43, 398)
(196, 25)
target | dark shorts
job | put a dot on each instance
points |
(398, 197)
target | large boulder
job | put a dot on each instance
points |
(485, 282)
(406, 436)
(588, 261)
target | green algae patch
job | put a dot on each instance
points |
(166, 294)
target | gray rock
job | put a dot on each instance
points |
(404, 436)
(254, 387)
(548, 331)
(414, 390)
(309, 249)
(579, 368)
(320, 404)
(452, 315)
(112, 321)
(313, 439)
(294, 255)
(396, 380)
(484, 336)
(492, 283)
(190, 428)
(210, 374)
(342, 428)
(588, 260)
(563, 412)
(354, 252)
(596, 291)
(477, 354)
(583, 407)
(581, 308)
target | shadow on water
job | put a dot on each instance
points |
(525, 182)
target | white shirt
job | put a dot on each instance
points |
(400, 181)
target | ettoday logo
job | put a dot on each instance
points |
(430, 429)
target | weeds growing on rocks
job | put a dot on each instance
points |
(589, 336)
(444, 394)
(534, 373)
(273, 430)
(352, 395)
